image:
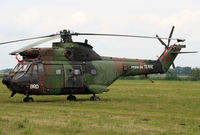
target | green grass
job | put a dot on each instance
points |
(130, 107)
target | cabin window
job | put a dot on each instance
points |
(69, 71)
(58, 72)
(77, 72)
(93, 71)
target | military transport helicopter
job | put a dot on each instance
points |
(70, 68)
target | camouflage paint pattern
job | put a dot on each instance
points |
(75, 68)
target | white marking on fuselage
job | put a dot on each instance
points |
(142, 67)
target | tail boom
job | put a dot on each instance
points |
(131, 67)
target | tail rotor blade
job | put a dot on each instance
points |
(163, 43)
(170, 35)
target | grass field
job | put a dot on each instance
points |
(130, 107)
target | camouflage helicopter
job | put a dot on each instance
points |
(70, 68)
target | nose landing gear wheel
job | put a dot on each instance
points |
(28, 99)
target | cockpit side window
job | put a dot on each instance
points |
(35, 74)
(16, 68)
(40, 69)
(24, 68)
(22, 72)
(35, 69)
(21, 67)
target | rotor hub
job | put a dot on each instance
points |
(65, 36)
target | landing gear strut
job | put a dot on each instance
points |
(28, 99)
(71, 98)
(95, 98)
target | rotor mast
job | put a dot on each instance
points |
(65, 36)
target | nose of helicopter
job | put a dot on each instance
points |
(6, 81)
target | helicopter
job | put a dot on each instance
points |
(70, 68)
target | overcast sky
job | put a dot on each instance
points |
(28, 18)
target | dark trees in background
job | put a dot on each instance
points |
(171, 76)
(183, 71)
(195, 74)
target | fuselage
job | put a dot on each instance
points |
(74, 68)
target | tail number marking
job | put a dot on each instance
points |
(142, 67)
(34, 86)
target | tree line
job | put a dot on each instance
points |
(183, 73)
(179, 73)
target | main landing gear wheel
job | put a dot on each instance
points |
(95, 98)
(28, 99)
(71, 98)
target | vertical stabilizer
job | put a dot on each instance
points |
(168, 56)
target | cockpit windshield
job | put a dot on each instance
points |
(21, 67)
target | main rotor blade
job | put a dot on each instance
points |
(119, 35)
(25, 39)
(170, 35)
(189, 52)
(163, 43)
(35, 44)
